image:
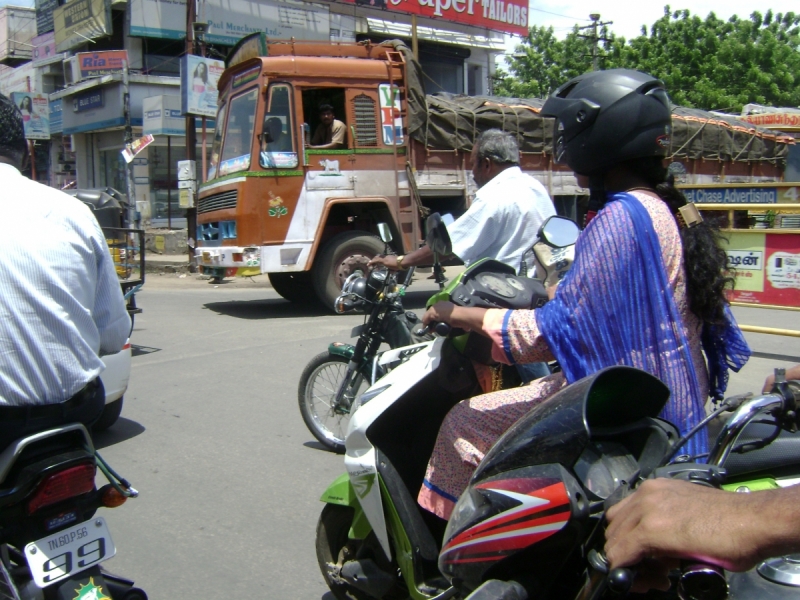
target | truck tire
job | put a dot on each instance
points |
(343, 255)
(295, 287)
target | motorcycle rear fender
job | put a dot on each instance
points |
(342, 349)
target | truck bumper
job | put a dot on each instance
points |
(229, 261)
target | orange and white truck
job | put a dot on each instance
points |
(307, 216)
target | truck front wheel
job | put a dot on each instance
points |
(344, 254)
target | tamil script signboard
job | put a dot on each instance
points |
(767, 267)
(774, 119)
(79, 20)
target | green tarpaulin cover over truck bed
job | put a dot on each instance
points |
(453, 122)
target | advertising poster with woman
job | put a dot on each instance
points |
(199, 77)
(35, 109)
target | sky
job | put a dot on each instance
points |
(628, 17)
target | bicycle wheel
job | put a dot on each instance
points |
(315, 394)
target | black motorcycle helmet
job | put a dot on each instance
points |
(604, 118)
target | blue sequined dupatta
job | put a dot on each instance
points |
(616, 307)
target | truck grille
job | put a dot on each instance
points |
(218, 202)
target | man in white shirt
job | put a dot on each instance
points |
(61, 303)
(505, 215)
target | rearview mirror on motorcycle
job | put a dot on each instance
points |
(437, 238)
(559, 232)
(385, 232)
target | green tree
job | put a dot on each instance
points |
(541, 63)
(707, 63)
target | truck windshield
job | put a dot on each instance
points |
(217, 145)
(237, 141)
(277, 149)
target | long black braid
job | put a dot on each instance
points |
(704, 259)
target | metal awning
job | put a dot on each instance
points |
(403, 30)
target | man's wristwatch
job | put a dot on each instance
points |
(400, 258)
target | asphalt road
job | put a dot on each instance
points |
(211, 436)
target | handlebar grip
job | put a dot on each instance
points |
(442, 329)
(701, 581)
(409, 275)
(620, 580)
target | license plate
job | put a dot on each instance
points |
(69, 551)
(206, 257)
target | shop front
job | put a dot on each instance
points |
(92, 115)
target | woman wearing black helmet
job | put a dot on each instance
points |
(646, 288)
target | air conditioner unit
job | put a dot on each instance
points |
(72, 70)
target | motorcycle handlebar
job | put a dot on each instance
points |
(440, 329)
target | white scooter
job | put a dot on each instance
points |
(370, 511)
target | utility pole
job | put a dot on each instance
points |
(128, 140)
(191, 138)
(595, 37)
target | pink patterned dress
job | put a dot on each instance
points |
(472, 426)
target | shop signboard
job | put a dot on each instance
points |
(44, 15)
(87, 100)
(777, 119)
(508, 16)
(767, 268)
(741, 194)
(96, 64)
(35, 111)
(44, 48)
(56, 122)
(79, 21)
(199, 78)
(230, 20)
(17, 80)
(162, 116)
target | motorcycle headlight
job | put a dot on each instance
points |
(354, 284)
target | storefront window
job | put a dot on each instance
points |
(277, 147)
(112, 170)
(165, 195)
(238, 140)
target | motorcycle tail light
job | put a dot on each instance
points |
(62, 485)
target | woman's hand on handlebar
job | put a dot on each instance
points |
(441, 312)
(468, 318)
